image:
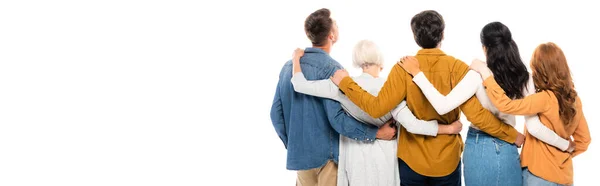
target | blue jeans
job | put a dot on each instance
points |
(490, 161)
(530, 179)
(408, 177)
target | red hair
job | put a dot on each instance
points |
(551, 72)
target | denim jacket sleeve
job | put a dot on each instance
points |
(347, 125)
(277, 117)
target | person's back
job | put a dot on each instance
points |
(441, 153)
(543, 159)
(369, 164)
(305, 115)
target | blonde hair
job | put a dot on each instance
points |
(366, 53)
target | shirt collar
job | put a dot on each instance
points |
(314, 50)
(431, 51)
(366, 75)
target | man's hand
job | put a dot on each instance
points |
(410, 64)
(571, 146)
(520, 140)
(386, 131)
(338, 76)
(453, 128)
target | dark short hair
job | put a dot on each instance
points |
(318, 26)
(428, 28)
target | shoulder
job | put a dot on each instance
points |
(455, 62)
(319, 60)
(549, 95)
(287, 68)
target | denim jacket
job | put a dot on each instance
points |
(310, 126)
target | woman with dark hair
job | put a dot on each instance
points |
(557, 104)
(489, 160)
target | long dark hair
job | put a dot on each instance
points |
(504, 60)
(551, 72)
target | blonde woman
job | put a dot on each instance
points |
(368, 163)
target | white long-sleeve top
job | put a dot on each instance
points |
(471, 85)
(366, 163)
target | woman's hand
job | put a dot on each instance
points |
(338, 76)
(478, 65)
(296, 59)
(481, 67)
(298, 53)
(410, 64)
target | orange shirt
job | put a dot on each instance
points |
(430, 156)
(544, 160)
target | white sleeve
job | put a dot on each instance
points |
(319, 88)
(327, 89)
(464, 90)
(413, 125)
(543, 133)
(537, 129)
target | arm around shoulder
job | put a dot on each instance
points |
(390, 95)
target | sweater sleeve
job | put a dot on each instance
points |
(581, 136)
(540, 131)
(327, 89)
(531, 104)
(412, 124)
(464, 90)
(392, 93)
(319, 88)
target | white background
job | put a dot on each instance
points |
(178, 92)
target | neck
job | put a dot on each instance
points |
(326, 48)
(372, 70)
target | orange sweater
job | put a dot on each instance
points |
(430, 156)
(543, 160)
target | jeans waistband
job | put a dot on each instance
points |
(473, 131)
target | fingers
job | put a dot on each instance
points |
(401, 61)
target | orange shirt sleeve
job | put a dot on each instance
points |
(530, 105)
(582, 133)
(390, 95)
(481, 117)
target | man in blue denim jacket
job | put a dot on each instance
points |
(310, 126)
